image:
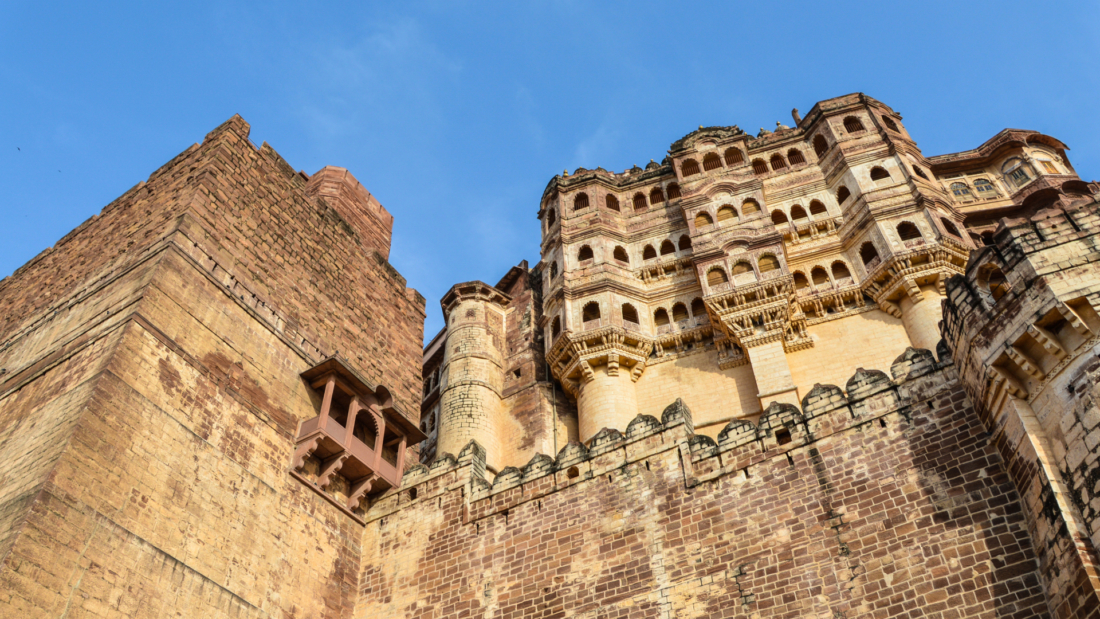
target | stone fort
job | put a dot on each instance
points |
(807, 373)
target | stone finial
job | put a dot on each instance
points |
(780, 126)
(796, 116)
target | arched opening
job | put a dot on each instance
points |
(890, 124)
(611, 202)
(779, 217)
(767, 263)
(993, 280)
(908, 231)
(818, 208)
(797, 212)
(698, 308)
(656, 196)
(777, 162)
(580, 202)
(711, 161)
(667, 248)
(685, 242)
(950, 227)
(620, 254)
(985, 188)
(879, 174)
(842, 194)
(690, 167)
(800, 281)
(794, 156)
(639, 202)
(679, 312)
(555, 327)
(741, 268)
(868, 253)
(673, 191)
(584, 254)
(852, 124)
(1016, 171)
(630, 314)
(553, 270)
(919, 172)
(750, 207)
(734, 156)
(726, 212)
(820, 276)
(820, 145)
(702, 220)
(660, 317)
(759, 166)
(591, 311)
(1076, 188)
(987, 238)
(840, 271)
(551, 217)
(716, 276)
(649, 253)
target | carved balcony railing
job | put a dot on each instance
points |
(358, 435)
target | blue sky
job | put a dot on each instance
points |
(456, 114)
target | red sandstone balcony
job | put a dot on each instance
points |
(371, 455)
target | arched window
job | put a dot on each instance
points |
(679, 312)
(820, 276)
(908, 232)
(660, 317)
(553, 270)
(878, 174)
(649, 253)
(852, 124)
(993, 280)
(689, 168)
(777, 162)
(555, 328)
(639, 202)
(795, 157)
(584, 254)
(580, 202)
(820, 145)
(919, 172)
(685, 242)
(868, 253)
(611, 202)
(767, 262)
(987, 238)
(629, 313)
(591, 311)
(734, 156)
(985, 188)
(716, 276)
(551, 217)
(698, 308)
(800, 281)
(711, 161)
(1014, 169)
(741, 268)
(817, 208)
(759, 166)
(960, 190)
(667, 248)
(726, 212)
(890, 124)
(842, 194)
(840, 271)
(620, 254)
(950, 227)
(797, 212)
(1048, 166)
(750, 207)
(656, 196)
(673, 191)
(779, 217)
(702, 220)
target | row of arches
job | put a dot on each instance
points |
(619, 252)
(728, 212)
(766, 263)
(794, 157)
(661, 316)
(639, 201)
(798, 213)
(820, 277)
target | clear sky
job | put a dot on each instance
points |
(455, 115)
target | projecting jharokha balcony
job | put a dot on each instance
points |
(358, 435)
